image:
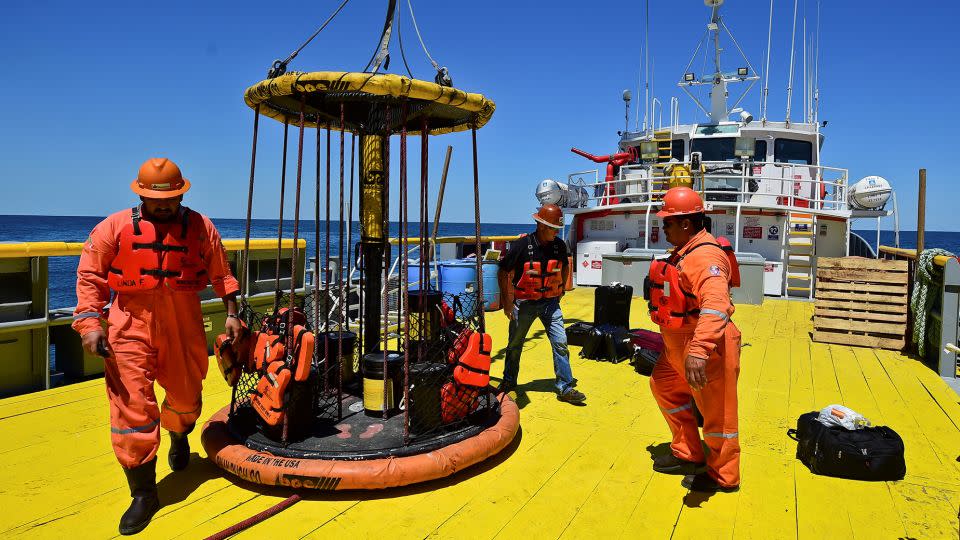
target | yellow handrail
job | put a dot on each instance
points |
(911, 254)
(458, 239)
(67, 249)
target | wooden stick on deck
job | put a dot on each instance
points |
(921, 210)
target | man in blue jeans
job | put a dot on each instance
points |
(532, 277)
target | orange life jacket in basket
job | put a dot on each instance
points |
(536, 282)
(282, 365)
(233, 355)
(669, 304)
(473, 366)
(269, 396)
(457, 401)
(144, 260)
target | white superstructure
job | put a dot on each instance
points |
(765, 187)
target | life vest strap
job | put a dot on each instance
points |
(159, 246)
(159, 273)
(468, 367)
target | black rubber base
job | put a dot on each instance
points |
(356, 436)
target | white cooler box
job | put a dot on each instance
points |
(589, 262)
(773, 278)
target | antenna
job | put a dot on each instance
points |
(626, 114)
(639, 86)
(816, 72)
(806, 72)
(646, 66)
(793, 36)
(766, 71)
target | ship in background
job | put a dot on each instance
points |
(763, 181)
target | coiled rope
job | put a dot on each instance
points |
(920, 301)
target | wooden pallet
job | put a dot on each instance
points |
(861, 302)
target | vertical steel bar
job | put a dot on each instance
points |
(245, 284)
(283, 189)
(476, 218)
(340, 296)
(296, 254)
(404, 273)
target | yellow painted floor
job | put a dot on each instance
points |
(576, 472)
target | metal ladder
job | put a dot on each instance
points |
(801, 250)
(661, 182)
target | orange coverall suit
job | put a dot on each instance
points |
(712, 336)
(156, 335)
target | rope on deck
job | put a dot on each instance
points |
(253, 520)
(920, 301)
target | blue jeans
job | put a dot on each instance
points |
(524, 313)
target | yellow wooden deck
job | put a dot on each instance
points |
(576, 472)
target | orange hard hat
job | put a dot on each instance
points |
(550, 215)
(680, 201)
(160, 178)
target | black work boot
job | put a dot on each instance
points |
(179, 456)
(143, 488)
(705, 483)
(671, 464)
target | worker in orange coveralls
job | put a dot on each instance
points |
(701, 359)
(155, 257)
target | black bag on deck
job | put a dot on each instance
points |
(578, 333)
(611, 305)
(873, 453)
(608, 343)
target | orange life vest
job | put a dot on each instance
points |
(457, 401)
(727, 248)
(536, 282)
(233, 355)
(282, 363)
(473, 366)
(460, 340)
(670, 306)
(144, 260)
(269, 396)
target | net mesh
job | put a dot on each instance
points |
(429, 399)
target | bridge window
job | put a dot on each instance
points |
(676, 149)
(714, 148)
(793, 151)
(760, 150)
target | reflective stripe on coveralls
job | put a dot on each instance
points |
(716, 339)
(156, 336)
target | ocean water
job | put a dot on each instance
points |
(76, 228)
(63, 270)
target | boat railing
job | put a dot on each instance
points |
(942, 321)
(439, 249)
(34, 338)
(789, 186)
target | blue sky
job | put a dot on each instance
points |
(93, 89)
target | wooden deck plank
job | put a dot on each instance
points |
(925, 511)
(489, 512)
(932, 420)
(923, 462)
(548, 512)
(826, 389)
(622, 484)
(767, 503)
(656, 511)
(820, 514)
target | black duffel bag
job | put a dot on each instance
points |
(872, 453)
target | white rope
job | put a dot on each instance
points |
(920, 301)
(417, 28)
